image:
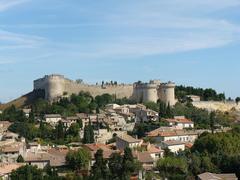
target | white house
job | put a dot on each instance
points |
(173, 146)
(52, 119)
(171, 134)
(180, 122)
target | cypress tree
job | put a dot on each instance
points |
(100, 170)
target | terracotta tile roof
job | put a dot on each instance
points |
(7, 168)
(128, 138)
(154, 149)
(107, 151)
(54, 156)
(166, 132)
(96, 146)
(188, 145)
(143, 157)
(179, 120)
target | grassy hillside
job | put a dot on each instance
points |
(24, 100)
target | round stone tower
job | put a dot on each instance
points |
(166, 93)
(53, 85)
(146, 92)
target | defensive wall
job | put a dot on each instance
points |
(56, 85)
(216, 105)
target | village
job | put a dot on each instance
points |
(112, 130)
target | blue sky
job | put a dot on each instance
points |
(189, 42)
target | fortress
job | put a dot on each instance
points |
(57, 86)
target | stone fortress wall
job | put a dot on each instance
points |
(217, 106)
(55, 86)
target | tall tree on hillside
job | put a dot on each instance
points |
(88, 136)
(130, 165)
(100, 170)
(115, 166)
(169, 113)
(60, 132)
(162, 110)
(212, 121)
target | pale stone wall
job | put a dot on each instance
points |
(216, 105)
(55, 86)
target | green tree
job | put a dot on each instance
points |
(27, 173)
(100, 170)
(78, 160)
(212, 121)
(237, 100)
(88, 136)
(60, 131)
(115, 166)
(172, 168)
(73, 130)
(169, 111)
(20, 159)
(162, 110)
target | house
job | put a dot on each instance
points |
(146, 115)
(173, 134)
(92, 148)
(125, 140)
(27, 112)
(10, 152)
(68, 121)
(145, 159)
(55, 157)
(7, 168)
(52, 119)
(194, 98)
(173, 146)
(4, 125)
(213, 176)
(180, 122)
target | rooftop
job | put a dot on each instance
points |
(213, 176)
(128, 138)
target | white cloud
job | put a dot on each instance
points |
(9, 40)
(7, 4)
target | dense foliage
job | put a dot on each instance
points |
(78, 159)
(216, 153)
(205, 94)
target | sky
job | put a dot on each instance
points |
(189, 42)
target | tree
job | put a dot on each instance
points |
(130, 165)
(162, 110)
(169, 112)
(73, 130)
(88, 136)
(237, 100)
(20, 159)
(60, 131)
(27, 173)
(172, 168)
(100, 170)
(115, 166)
(78, 159)
(212, 121)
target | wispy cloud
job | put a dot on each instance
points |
(7, 4)
(9, 40)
